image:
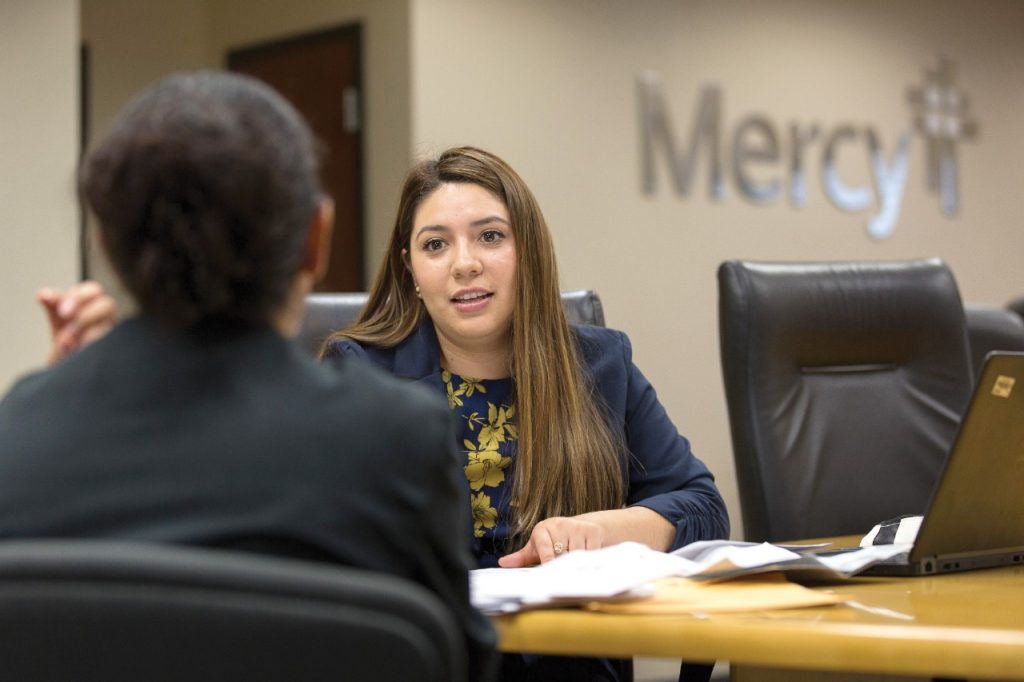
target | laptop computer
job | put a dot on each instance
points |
(975, 518)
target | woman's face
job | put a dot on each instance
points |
(462, 255)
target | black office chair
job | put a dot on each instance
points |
(327, 313)
(990, 328)
(1017, 306)
(845, 383)
(99, 611)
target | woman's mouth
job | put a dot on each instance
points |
(471, 301)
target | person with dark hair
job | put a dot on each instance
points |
(197, 421)
(565, 444)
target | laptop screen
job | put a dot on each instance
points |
(978, 505)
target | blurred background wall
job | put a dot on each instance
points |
(39, 138)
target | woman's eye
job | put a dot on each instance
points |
(432, 245)
(491, 236)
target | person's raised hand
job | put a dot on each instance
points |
(553, 537)
(77, 317)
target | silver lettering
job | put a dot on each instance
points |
(889, 183)
(755, 141)
(759, 160)
(844, 197)
(801, 138)
(656, 134)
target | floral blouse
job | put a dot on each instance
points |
(487, 435)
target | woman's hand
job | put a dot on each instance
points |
(77, 317)
(559, 534)
(553, 537)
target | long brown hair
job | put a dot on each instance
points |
(568, 459)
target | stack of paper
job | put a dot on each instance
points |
(722, 559)
(629, 571)
(619, 571)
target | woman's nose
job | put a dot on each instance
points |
(467, 262)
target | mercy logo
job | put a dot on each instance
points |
(940, 114)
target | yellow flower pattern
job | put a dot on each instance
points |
(467, 387)
(485, 459)
(484, 515)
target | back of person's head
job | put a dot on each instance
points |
(204, 190)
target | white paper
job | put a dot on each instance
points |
(627, 570)
(906, 532)
(721, 559)
(616, 571)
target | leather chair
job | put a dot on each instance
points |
(990, 328)
(107, 611)
(1017, 306)
(845, 383)
(327, 313)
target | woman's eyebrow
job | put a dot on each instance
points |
(488, 220)
(431, 228)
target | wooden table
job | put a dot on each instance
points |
(966, 625)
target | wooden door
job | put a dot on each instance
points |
(320, 74)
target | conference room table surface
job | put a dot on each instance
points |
(968, 625)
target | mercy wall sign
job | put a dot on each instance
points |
(938, 114)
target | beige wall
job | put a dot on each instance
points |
(551, 87)
(131, 44)
(39, 139)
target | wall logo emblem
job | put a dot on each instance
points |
(766, 160)
(941, 116)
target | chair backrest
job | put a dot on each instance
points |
(583, 306)
(845, 383)
(1017, 306)
(990, 328)
(94, 610)
(327, 313)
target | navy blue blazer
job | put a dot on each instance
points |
(662, 472)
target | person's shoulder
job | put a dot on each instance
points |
(378, 387)
(26, 390)
(598, 343)
(403, 417)
(342, 348)
(589, 333)
(46, 392)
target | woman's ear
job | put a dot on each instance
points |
(317, 255)
(408, 263)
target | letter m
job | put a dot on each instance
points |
(657, 138)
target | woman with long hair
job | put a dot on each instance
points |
(566, 445)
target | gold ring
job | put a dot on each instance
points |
(558, 547)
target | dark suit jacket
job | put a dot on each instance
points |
(231, 437)
(662, 472)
